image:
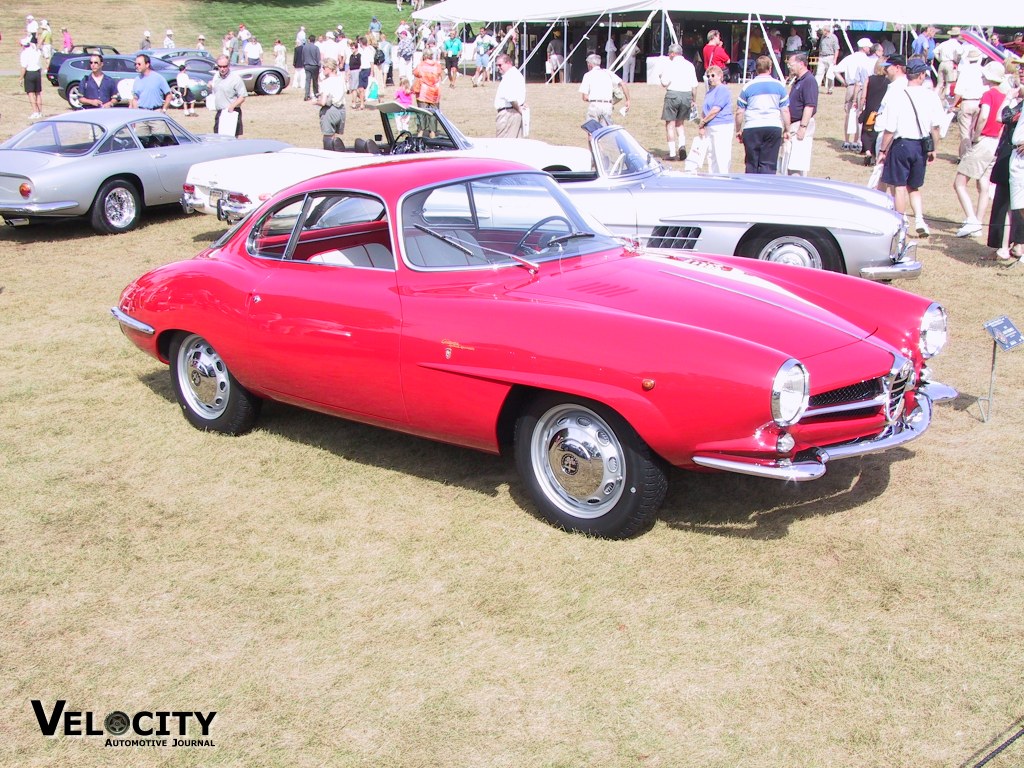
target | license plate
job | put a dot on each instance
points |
(215, 195)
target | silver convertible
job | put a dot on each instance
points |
(105, 164)
(807, 222)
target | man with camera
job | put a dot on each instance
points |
(911, 118)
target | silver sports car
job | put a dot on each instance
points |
(807, 222)
(106, 164)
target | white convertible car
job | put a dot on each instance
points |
(231, 190)
(808, 222)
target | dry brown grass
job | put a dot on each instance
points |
(347, 596)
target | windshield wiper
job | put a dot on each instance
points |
(448, 239)
(570, 236)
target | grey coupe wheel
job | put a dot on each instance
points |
(797, 248)
(116, 208)
(586, 469)
(269, 84)
(74, 96)
(177, 100)
(208, 394)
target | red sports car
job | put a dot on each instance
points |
(468, 301)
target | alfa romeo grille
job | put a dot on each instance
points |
(886, 394)
(683, 238)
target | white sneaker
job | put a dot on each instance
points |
(969, 228)
(922, 229)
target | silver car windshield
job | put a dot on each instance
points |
(67, 139)
(619, 154)
(517, 218)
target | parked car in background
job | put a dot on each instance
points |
(59, 58)
(104, 164)
(233, 189)
(260, 79)
(802, 221)
(469, 301)
(122, 69)
(171, 53)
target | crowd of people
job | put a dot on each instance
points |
(896, 107)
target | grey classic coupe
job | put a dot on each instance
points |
(105, 164)
(808, 222)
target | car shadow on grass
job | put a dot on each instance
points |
(714, 504)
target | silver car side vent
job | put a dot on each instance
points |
(682, 238)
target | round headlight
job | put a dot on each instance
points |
(934, 331)
(790, 391)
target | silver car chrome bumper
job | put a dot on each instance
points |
(908, 428)
(36, 209)
(187, 203)
(231, 212)
(130, 322)
(901, 270)
(904, 267)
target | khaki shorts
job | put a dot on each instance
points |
(977, 163)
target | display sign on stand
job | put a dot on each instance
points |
(1006, 336)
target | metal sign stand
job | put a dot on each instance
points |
(1004, 334)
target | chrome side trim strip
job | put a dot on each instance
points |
(800, 472)
(130, 322)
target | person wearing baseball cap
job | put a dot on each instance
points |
(911, 118)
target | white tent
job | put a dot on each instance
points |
(943, 12)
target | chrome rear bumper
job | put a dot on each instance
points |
(909, 427)
(905, 267)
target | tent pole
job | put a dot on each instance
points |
(746, 50)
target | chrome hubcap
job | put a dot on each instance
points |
(271, 85)
(791, 249)
(119, 207)
(578, 461)
(203, 378)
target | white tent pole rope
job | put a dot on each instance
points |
(634, 43)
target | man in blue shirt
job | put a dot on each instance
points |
(96, 89)
(150, 90)
(924, 44)
(762, 119)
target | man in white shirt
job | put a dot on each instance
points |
(948, 54)
(597, 88)
(850, 68)
(679, 79)
(169, 39)
(31, 74)
(912, 114)
(509, 99)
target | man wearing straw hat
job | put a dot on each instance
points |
(948, 54)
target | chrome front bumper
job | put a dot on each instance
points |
(905, 267)
(909, 427)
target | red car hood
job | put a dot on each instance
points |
(706, 294)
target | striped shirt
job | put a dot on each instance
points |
(763, 100)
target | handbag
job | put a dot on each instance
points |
(698, 153)
(227, 123)
(928, 142)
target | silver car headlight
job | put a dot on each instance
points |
(790, 392)
(934, 331)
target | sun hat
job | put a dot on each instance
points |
(954, 31)
(994, 72)
(972, 54)
(864, 42)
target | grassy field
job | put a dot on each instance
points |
(341, 595)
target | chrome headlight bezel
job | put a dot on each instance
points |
(934, 331)
(791, 390)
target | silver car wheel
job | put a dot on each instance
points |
(269, 84)
(791, 249)
(75, 97)
(177, 100)
(119, 207)
(206, 386)
(578, 461)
